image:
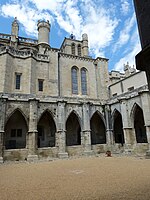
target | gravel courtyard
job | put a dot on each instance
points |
(93, 178)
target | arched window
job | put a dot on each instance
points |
(74, 75)
(73, 48)
(84, 81)
(79, 50)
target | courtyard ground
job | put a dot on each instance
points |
(92, 178)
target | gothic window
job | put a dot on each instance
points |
(73, 48)
(84, 81)
(74, 80)
(18, 81)
(79, 50)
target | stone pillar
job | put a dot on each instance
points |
(148, 135)
(86, 129)
(145, 98)
(1, 145)
(129, 135)
(32, 133)
(2, 118)
(109, 131)
(61, 132)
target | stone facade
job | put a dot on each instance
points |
(56, 103)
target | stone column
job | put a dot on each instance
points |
(129, 135)
(32, 133)
(145, 98)
(109, 131)
(2, 118)
(86, 129)
(61, 132)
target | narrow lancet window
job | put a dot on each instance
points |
(74, 80)
(79, 50)
(73, 48)
(40, 85)
(18, 81)
(84, 81)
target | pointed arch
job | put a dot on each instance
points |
(22, 113)
(118, 127)
(46, 130)
(84, 81)
(47, 111)
(16, 130)
(133, 110)
(98, 129)
(73, 130)
(139, 124)
(74, 78)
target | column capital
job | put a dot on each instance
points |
(32, 131)
(61, 102)
(33, 99)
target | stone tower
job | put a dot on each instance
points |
(43, 32)
(85, 45)
(14, 30)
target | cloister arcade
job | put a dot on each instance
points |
(16, 129)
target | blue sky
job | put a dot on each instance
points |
(110, 24)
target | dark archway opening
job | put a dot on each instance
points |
(98, 131)
(73, 130)
(118, 128)
(15, 131)
(140, 129)
(46, 131)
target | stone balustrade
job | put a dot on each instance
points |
(5, 36)
(28, 40)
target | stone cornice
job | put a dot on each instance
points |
(51, 99)
(128, 95)
(70, 56)
(89, 59)
(24, 54)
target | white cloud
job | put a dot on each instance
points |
(131, 50)
(88, 17)
(130, 57)
(100, 27)
(26, 16)
(51, 5)
(125, 6)
(125, 33)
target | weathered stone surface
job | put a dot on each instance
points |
(51, 121)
